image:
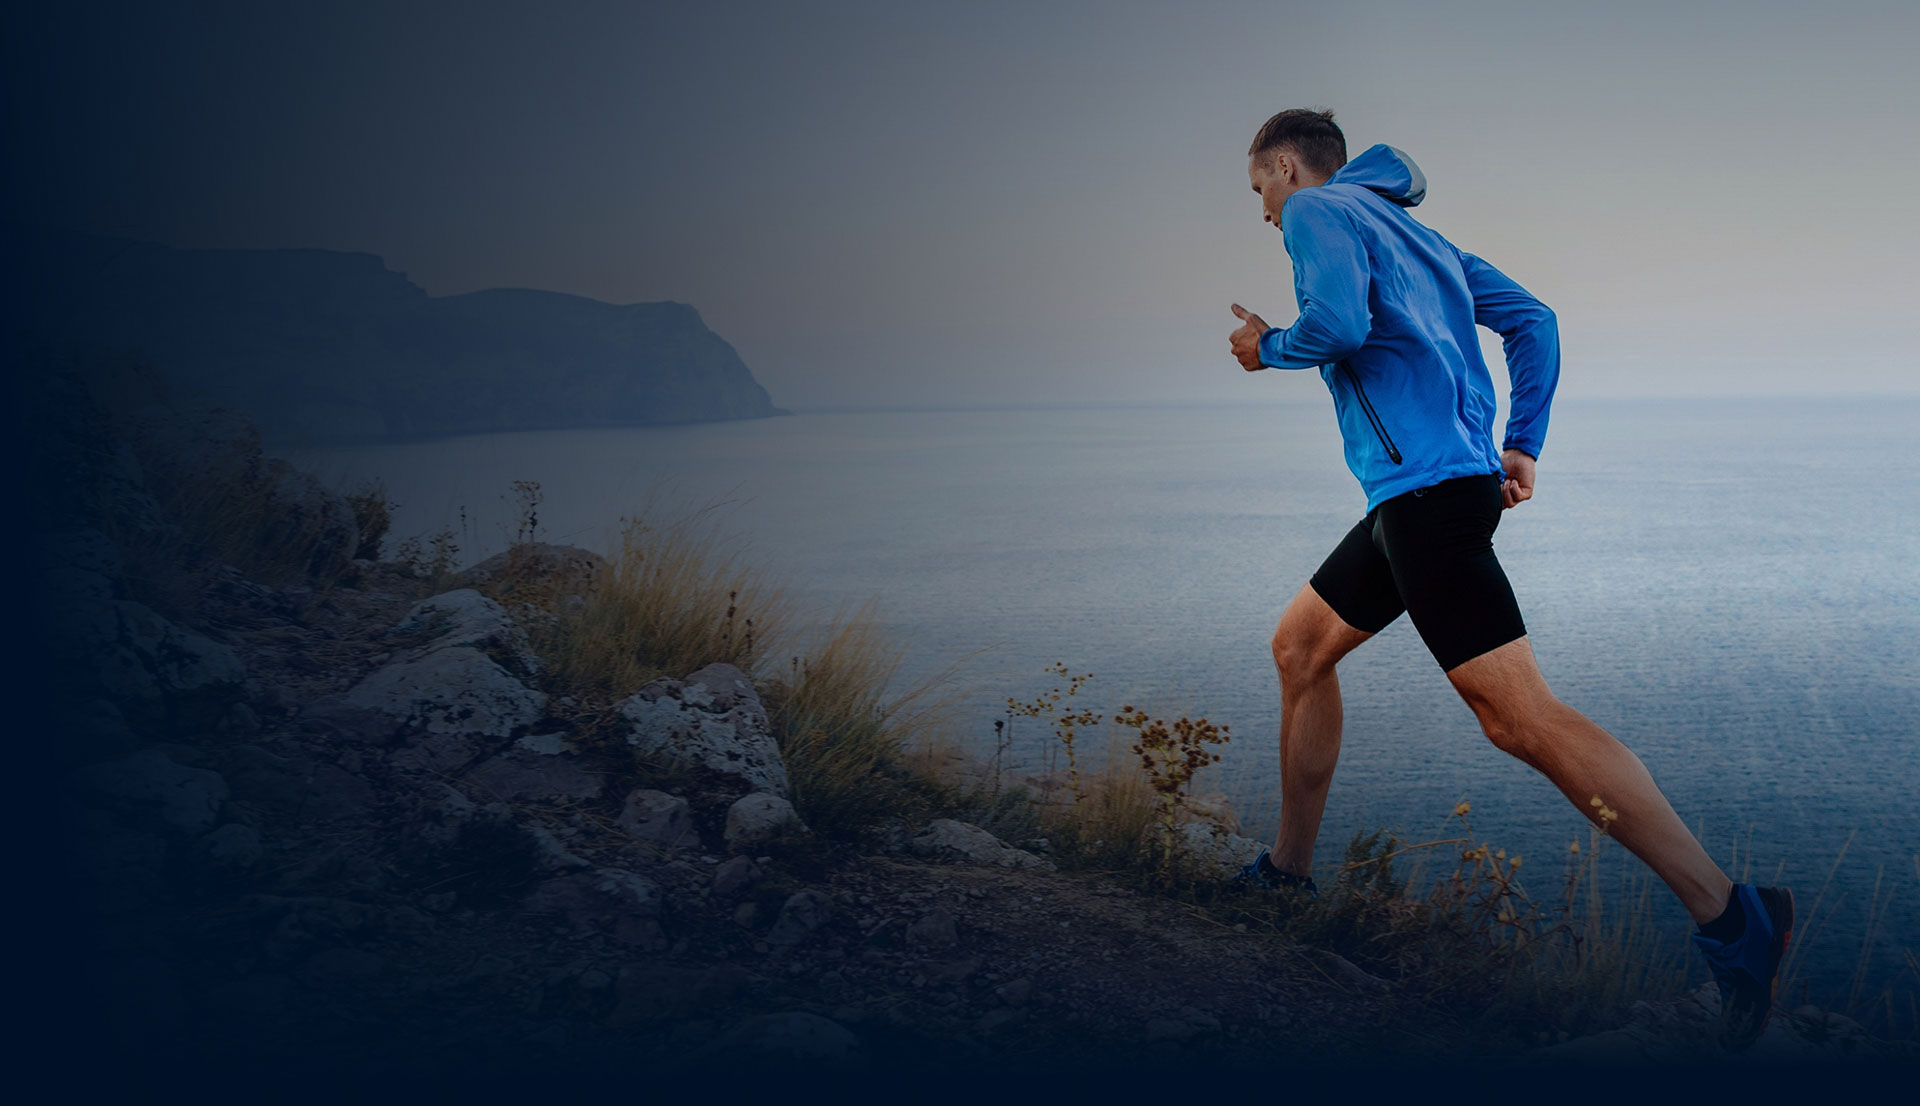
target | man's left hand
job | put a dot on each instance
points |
(1246, 340)
(1517, 488)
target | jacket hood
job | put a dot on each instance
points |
(1388, 171)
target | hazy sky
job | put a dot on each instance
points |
(896, 203)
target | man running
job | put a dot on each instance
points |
(1387, 310)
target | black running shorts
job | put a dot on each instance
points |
(1428, 552)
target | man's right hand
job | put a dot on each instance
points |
(1246, 340)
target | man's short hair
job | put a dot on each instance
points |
(1309, 133)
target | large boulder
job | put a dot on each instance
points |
(964, 843)
(712, 720)
(137, 657)
(450, 681)
(1215, 851)
(457, 691)
(464, 617)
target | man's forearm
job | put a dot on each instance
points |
(1312, 341)
(1533, 367)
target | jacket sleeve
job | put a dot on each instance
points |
(1330, 278)
(1531, 337)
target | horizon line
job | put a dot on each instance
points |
(1135, 405)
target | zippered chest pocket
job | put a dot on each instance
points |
(1373, 417)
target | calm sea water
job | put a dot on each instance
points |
(1732, 587)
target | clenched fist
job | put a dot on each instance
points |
(1517, 487)
(1246, 340)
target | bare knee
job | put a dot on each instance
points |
(1518, 727)
(1310, 641)
(1509, 734)
(1301, 657)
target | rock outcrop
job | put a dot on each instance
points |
(447, 694)
(948, 839)
(711, 720)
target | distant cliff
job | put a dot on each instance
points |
(327, 347)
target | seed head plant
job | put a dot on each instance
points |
(1170, 754)
(1065, 723)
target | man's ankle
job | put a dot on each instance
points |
(1283, 877)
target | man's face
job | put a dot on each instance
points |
(1274, 175)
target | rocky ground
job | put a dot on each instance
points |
(345, 827)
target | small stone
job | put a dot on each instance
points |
(608, 901)
(755, 819)
(551, 854)
(448, 803)
(802, 914)
(659, 818)
(935, 930)
(948, 839)
(734, 876)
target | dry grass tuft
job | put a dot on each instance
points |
(857, 756)
(1118, 825)
(224, 502)
(674, 602)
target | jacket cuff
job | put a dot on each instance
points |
(1267, 341)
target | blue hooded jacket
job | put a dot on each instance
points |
(1387, 313)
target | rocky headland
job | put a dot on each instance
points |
(322, 347)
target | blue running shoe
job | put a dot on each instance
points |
(1261, 875)
(1748, 968)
